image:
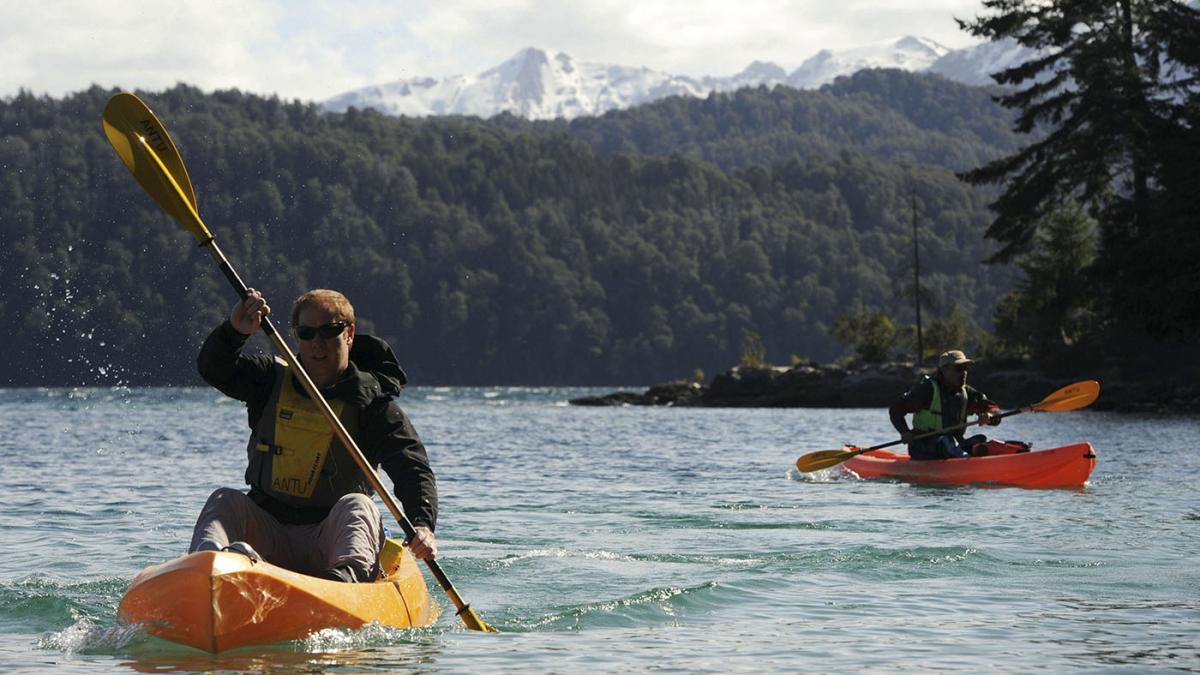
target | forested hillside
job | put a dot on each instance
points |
(890, 115)
(621, 250)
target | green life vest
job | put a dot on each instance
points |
(293, 453)
(931, 419)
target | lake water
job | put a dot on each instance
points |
(626, 539)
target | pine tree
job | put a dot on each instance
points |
(1054, 308)
(1108, 101)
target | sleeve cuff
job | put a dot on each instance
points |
(231, 335)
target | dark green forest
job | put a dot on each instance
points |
(630, 248)
(624, 249)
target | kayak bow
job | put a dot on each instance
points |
(218, 601)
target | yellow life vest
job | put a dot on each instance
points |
(293, 453)
(930, 419)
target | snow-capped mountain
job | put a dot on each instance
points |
(531, 84)
(535, 85)
(907, 53)
(975, 65)
(755, 74)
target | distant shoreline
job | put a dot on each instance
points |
(834, 386)
(828, 386)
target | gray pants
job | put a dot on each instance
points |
(352, 533)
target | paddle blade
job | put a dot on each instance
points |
(142, 143)
(823, 459)
(1070, 397)
(472, 621)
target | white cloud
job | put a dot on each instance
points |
(693, 37)
(313, 49)
(56, 47)
(308, 50)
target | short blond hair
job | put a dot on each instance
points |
(333, 302)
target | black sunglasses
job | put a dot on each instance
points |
(329, 330)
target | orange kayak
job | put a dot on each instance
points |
(217, 601)
(1005, 464)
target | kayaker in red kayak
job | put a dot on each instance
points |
(309, 507)
(941, 401)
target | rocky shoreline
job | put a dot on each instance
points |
(836, 386)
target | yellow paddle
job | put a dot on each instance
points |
(1070, 397)
(144, 146)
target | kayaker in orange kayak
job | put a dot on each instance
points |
(941, 401)
(309, 507)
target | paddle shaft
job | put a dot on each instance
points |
(282, 347)
(338, 428)
(939, 432)
(186, 213)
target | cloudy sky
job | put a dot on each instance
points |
(314, 49)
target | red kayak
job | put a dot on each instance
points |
(1007, 463)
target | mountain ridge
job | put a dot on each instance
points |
(534, 84)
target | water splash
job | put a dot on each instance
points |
(85, 637)
(336, 640)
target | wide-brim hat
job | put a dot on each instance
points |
(954, 357)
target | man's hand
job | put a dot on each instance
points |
(907, 437)
(989, 418)
(423, 545)
(248, 314)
